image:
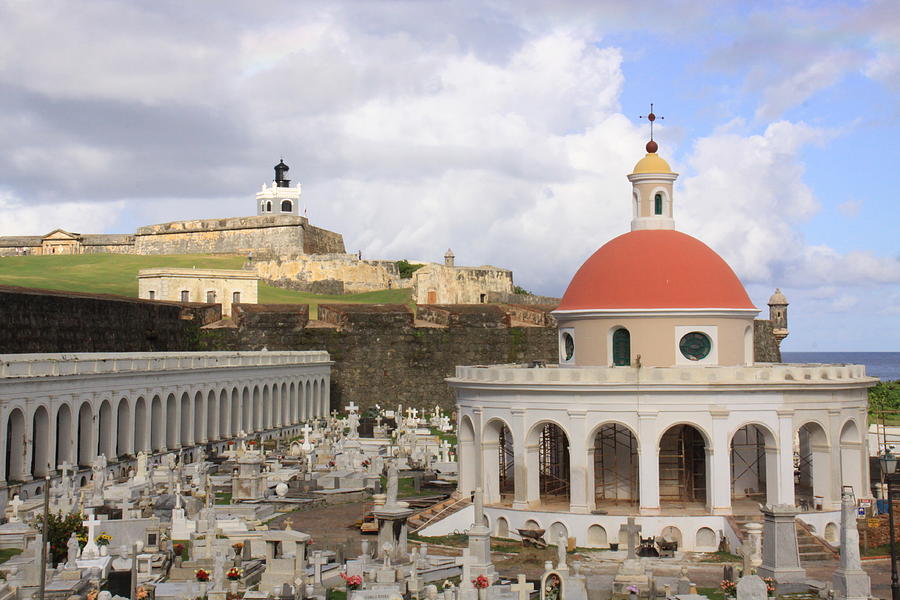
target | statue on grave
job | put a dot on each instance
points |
(98, 467)
(72, 549)
(393, 481)
(141, 474)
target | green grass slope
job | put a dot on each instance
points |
(117, 274)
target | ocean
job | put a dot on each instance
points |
(884, 365)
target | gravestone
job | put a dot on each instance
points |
(781, 555)
(849, 580)
(751, 587)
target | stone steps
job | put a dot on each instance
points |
(441, 510)
(811, 548)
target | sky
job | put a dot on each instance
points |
(502, 130)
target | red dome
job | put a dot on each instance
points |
(654, 269)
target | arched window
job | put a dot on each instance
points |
(269, 206)
(621, 348)
(657, 204)
(185, 296)
(210, 297)
(286, 206)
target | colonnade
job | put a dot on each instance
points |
(43, 428)
(579, 461)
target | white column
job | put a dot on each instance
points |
(785, 457)
(648, 463)
(4, 426)
(718, 465)
(578, 464)
(490, 468)
(520, 468)
(51, 404)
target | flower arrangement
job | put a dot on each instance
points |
(366, 463)
(447, 585)
(552, 587)
(234, 574)
(103, 539)
(143, 593)
(353, 581)
(770, 585)
(252, 443)
(631, 589)
(201, 575)
(92, 595)
(178, 549)
(331, 463)
(481, 582)
(238, 546)
(309, 542)
(728, 586)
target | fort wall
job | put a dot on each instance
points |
(382, 353)
(329, 273)
(443, 284)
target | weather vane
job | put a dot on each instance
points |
(651, 117)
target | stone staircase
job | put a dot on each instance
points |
(812, 549)
(438, 511)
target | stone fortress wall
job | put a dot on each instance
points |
(329, 273)
(404, 355)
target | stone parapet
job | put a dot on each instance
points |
(787, 374)
(19, 366)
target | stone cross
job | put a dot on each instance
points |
(632, 530)
(352, 408)
(318, 560)
(445, 451)
(15, 503)
(523, 589)
(746, 552)
(126, 507)
(90, 549)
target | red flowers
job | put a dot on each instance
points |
(353, 581)
(201, 575)
(481, 582)
(234, 574)
(178, 548)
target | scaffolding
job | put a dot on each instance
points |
(616, 465)
(506, 461)
(682, 465)
(553, 461)
(748, 457)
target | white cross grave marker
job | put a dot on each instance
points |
(318, 560)
(523, 588)
(15, 503)
(632, 530)
(91, 550)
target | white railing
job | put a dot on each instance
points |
(57, 365)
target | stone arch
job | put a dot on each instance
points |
(105, 442)
(265, 421)
(813, 454)
(287, 206)
(157, 426)
(184, 420)
(288, 404)
(200, 416)
(831, 533)
(15, 445)
(123, 428)
(498, 460)
(283, 400)
(682, 464)
(851, 457)
(672, 534)
(596, 536)
(140, 425)
(212, 416)
(40, 439)
(468, 472)
(531, 525)
(554, 531)
(754, 463)
(63, 434)
(224, 413)
(616, 459)
(549, 460)
(502, 527)
(315, 409)
(246, 407)
(706, 540)
(85, 434)
(256, 411)
(305, 403)
(172, 429)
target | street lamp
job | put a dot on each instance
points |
(888, 466)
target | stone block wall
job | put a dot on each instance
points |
(441, 284)
(765, 346)
(47, 321)
(329, 273)
(487, 316)
(520, 299)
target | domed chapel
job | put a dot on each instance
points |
(657, 409)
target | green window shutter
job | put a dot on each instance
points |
(621, 342)
(657, 204)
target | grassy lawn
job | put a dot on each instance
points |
(720, 557)
(117, 274)
(712, 593)
(223, 497)
(8, 553)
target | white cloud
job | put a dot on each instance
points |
(850, 207)
(22, 218)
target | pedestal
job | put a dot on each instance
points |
(781, 556)
(392, 529)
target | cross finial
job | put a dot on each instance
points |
(651, 145)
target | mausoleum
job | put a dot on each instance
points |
(657, 408)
